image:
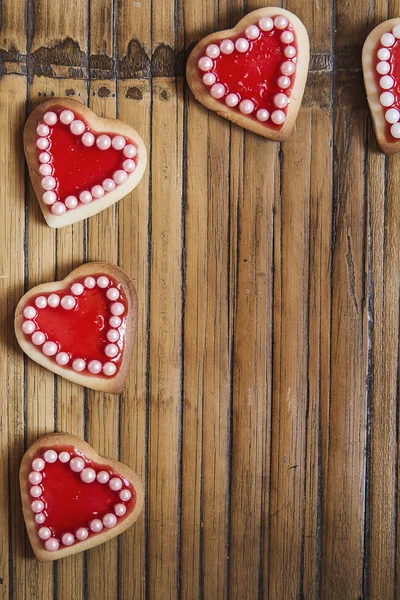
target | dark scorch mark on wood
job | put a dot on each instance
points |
(66, 53)
(134, 93)
(135, 64)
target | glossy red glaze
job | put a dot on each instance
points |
(70, 503)
(394, 62)
(81, 332)
(253, 75)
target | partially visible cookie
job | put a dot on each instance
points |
(74, 499)
(255, 73)
(80, 163)
(82, 327)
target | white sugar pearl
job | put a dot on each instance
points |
(50, 118)
(95, 367)
(88, 475)
(49, 198)
(117, 309)
(58, 209)
(120, 510)
(103, 142)
(49, 348)
(67, 539)
(287, 68)
(383, 67)
(44, 157)
(205, 63)
(242, 45)
(246, 107)
(232, 100)
(96, 525)
(120, 176)
(109, 520)
(29, 312)
(112, 335)
(97, 191)
(44, 533)
(129, 151)
(103, 477)
(53, 300)
(209, 79)
(37, 506)
(28, 327)
(112, 294)
(81, 534)
(125, 495)
(111, 350)
(262, 114)
(129, 165)
(252, 32)
(108, 185)
(386, 82)
(38, 464)
(266, 23)
(290, 52)
(50, 456)
(227, 46)
(90, 282)
(77, 289)
(64, 456)
(68, 302)
(52, 545)
(77, 464)
(387, 40)
(287, 37)
(383, 54)
(213, 51)
(281, 22)
(88, 139)
(42, 143)
(40, 518)
(41, 301)
(396, 31)
(48, 182)
(38, 338)
(42, 129)
(45, 169)
(115, 321)
(281, 100)
(109, 369)
(103, 281)
(78, 365)
(118, 142)
(115, 484)
(62, 358)
(35, 477)
(283, 82)
(85, 197)
(66, 117)
(395, 130)
(278, 117)
(77, 127)
(71, 202)
(35, 491)
(392, 116)
(217, 90)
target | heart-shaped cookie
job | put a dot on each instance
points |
(255, 73)
(82, 327)
(381, 68)
(79, 163)
(72, 498)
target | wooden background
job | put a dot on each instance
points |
(262, 408)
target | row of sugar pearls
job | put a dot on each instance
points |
(109, 521)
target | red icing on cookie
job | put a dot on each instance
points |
(73, 498)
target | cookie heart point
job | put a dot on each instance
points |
(255, 73)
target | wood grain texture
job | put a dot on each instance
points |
(262, 407)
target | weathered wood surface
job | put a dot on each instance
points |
(261, 410)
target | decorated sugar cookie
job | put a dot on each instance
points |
(79, 163)
(255, 73)
(72, 498)
(82, 327)
(381, 67)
